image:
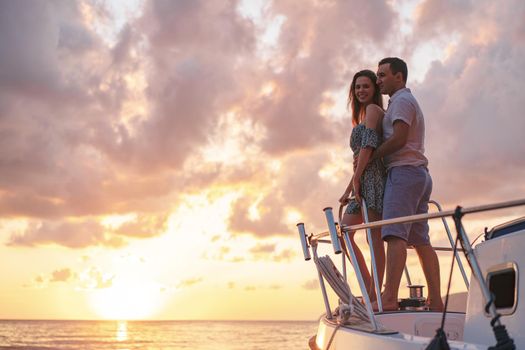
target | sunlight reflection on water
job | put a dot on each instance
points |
(122, 331)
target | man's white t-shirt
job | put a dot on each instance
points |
(403, 106)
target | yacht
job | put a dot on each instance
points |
(491, 315)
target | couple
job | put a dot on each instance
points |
(395, 138)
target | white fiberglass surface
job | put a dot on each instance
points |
(424, 324)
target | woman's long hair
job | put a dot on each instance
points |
(352, 98)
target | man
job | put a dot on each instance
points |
(408, 185)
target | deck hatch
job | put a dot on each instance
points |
(506, 228)
(503, 282)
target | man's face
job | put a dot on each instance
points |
(386, 80)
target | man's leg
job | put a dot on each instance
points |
(398, 201)
(419, 236)
(396, 256)
(430, 264)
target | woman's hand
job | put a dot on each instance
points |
(356, 185)
(344, 198)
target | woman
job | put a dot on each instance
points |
(368, 181)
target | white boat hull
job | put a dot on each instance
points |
(415, 331)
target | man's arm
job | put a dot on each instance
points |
(396, 142)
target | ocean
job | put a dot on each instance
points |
(123, 335)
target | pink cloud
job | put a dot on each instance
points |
(267, 225)
(72, 235)
(144, 226)
(89, 232)
(285, 255)
(67, 151)
(62, 275)
(263, 248)
(471, 102)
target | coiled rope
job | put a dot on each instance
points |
(336, 280)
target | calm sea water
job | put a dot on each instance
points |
(225, 335)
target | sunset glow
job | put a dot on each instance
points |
(127, 300)
(155, 156)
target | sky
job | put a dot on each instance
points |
(155, 156)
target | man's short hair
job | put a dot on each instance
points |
(397, 65)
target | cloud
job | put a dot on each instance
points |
(263, 248)
(265, 225)
(94, 278)
(62, 275)
(89, 232)
(69, 234)
(471, 101)
(224, 250)
(298, 184)
(31, 66)
(188, 86)
(311, 285)
(58, 95)
(315, 47)
(144, 226)
(453, 16)
(285, 255)
(195, 95)
(269, 251)
(225, 254)
(70, 148)
(252, 288)
(189, 282)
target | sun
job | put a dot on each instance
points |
(127, 300)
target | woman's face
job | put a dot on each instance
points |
(364, 90)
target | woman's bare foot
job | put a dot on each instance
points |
(372, 296)
(387, 305)
(389, 302)
(435, 306)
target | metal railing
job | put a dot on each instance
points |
(337, 232)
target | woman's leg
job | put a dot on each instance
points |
(379, 253)
(355, 219)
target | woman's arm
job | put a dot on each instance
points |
(344, 198)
